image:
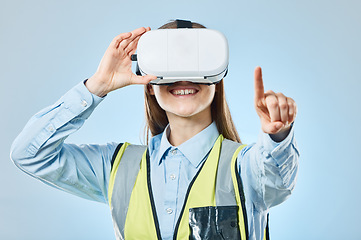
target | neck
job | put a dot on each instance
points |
(184, 128)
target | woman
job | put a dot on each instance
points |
(187, 122)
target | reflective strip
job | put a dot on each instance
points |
(113, 173)
(128, 162)
(225, 195)
(142, 221)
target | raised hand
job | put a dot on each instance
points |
(115, 68)
(276, 111)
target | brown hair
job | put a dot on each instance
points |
(156, 118)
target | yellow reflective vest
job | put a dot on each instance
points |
(214, 205)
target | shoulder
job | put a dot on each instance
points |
(128, 149)
(230, 145)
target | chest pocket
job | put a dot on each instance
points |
(220, 222)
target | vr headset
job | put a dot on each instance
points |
(197, 55)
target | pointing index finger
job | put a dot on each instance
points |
(258, 84)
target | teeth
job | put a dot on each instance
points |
(184, 92)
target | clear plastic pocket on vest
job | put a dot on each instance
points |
(219, 222)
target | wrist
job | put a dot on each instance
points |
(97, 86)
(281, 135)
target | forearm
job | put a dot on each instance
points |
(40, 152)
(271, 169)
(71, 109)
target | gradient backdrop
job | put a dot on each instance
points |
(309, 50)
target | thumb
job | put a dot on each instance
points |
(143, 79)
(272, 127)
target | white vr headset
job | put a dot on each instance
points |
(197, 55)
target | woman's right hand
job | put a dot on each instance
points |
(115, 68)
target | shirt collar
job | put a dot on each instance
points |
(194, 149)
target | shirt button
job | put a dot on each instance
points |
(50, 128)
(174, 151)
(84, 103)
(172, 176)
(169, 210)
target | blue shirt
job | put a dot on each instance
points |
(268, 169)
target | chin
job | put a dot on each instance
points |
(185, 114)
(188, 112)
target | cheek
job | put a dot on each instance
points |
(209, 96)
(160, 95)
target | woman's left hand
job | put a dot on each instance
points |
(276, 111)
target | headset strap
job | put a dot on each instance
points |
(183, 23)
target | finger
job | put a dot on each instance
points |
(292, 109)
(272, 106)
(258, 85)
(135, 33)
(132, 47)
(119, 38)
(283, 107)
(142, 79)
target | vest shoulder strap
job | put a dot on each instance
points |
(225, 195)
(124, 172)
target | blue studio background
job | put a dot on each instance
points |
(309, 50)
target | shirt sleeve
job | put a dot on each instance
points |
(40, 151)
(269, 170)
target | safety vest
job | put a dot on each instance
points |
(214, 205)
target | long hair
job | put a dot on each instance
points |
(156, 118)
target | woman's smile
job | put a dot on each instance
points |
(183, 89)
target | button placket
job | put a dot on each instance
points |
(171, 185)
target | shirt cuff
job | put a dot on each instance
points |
(79, 99)
(77, 102)
(279, 151)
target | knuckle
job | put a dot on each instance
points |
(272, 102)
(118, 39)
(270, 92)
(290, 99)
(291, 112)
(279, 94)
(283, 105)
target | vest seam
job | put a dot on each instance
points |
(243, 200)
(151, 198)
(115, 154)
